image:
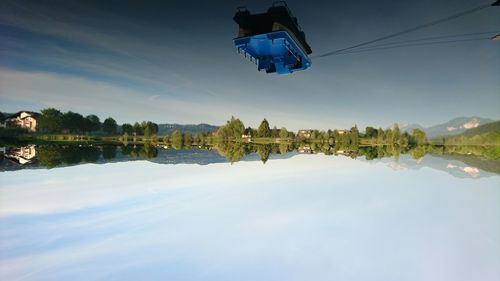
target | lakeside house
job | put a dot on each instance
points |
(247, 137)
(23, 119)
(341, 132)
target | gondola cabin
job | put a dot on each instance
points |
(272, 40)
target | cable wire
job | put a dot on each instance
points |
(355, 51)
(413, 29)
(429, 38)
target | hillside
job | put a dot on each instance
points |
(486, 128)
(164, 129)
(488, 134)
(456, 126)
(453, 127)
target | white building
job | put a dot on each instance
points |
(23, 119)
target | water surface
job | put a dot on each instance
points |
(296, 217)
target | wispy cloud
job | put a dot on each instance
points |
(87, 96)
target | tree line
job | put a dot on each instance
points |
(52, 120)
(234, 129)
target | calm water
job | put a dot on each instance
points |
(296, 217)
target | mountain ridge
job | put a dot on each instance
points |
(452, 127)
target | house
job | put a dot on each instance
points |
(341, 132)
(23, 119)
(247, 137)
(304, 133)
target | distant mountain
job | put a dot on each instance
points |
(456, 126)
(483, 129)
(410, 127)
(453, 127)
(164, 129)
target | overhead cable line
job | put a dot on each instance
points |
(413, 29)
(363, 50)
(429, 39)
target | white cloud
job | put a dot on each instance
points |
(88, 96)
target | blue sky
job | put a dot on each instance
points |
(175, 62)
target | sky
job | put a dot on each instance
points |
(285, 220)
(174, 62)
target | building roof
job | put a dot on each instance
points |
(17, 114)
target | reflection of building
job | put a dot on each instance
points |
(305, 149)
(22, 155)
(350, 153)
(304, 133)
(23, 119)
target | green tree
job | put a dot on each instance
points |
(73, 122)
(283, 133)
(95, 123)
(138, 129)
(371, 132)
(275, 132)
(50, 120)
(109, 126)
(149, 128)
(188, 138)
(177, 139)
(233, 129)
(354, 137)
(264, 131)
(396, 134)
(418, 137)
(237, 128)
(127, 129)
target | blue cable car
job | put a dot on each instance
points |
(273, 40)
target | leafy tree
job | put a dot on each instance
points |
(371, 132)
(177, 139)
(149, 128)
(264, 131)
(236, 127)
(354, 135)
(138, 129)
(50, 120)
(73, 122)
(396, 134)
(109, 126)
(283, 133)
(233, 129)
(419, 137)
(249, 131)
(188, 138)
(275, 132)
(95, 123)
(127, 129)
